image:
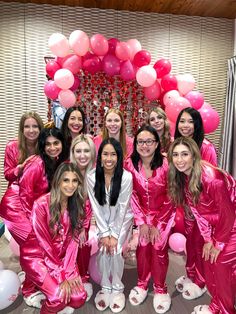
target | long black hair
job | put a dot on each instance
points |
(49, 163)
(157, 160)
(198, 134)
(99, 188)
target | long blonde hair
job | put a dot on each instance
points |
(22, 144)
(177, 179)
(122, 138)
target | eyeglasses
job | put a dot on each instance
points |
(147, 142)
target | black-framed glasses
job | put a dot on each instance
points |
(148, 142)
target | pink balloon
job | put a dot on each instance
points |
(186, 83)
(195, 98)
(170, 96)
(169, 82)
(79, 42)
(162, 67)
(59, 45)
(177, 242)
(146, 76)
(67, 98)
(142, 58)
(99, 45)
(76, 84)
(52, 67)
(135, 46)
(210, 118)
(112, 42)
(174, 107)
(111, 65)
(94, 269)
(51, 90)
(14, 246)
(127, 71)
(123, 51)
(152, 92)
(64, 78)
(72, 63)
(92, 65)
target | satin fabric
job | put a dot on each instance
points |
(151, 205)
(215, 215)
(129, 144)
(113, 221)
(49, 258)
(11, 161)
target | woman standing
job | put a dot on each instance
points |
(153, 214)
(82, 154)
(19, 150)
(109, 189)
(114, 126)
(189, 124)
(209, 194)
(49, 254)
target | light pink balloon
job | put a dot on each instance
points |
(67, 98)
(127, 71)
(174, 107)
(170, 96)
(59, 45)
(146, 76)
(79, 42)
(135, 46)
(73, 63)
(123, 51)
(152, 92)
(52, 67)
(195, 98)
(185, 83)
(210, 118)
(99, 44)
(94, 269)
(177, 242)
(64, 78)
(51, 90)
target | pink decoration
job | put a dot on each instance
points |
(210, 118)
(173, 108)
(99, 44)
(59, 45)
(142, 58)
(177, 242)
(169, 82)
(92, 65)
(162, 67)
(127, 71)
(135, 46)
(73, 63)
(51, 68)
(186, 83)
(67, 98)
(64, 78)
(146, 76)
(152, 92)
(195, 98)
(79, 42)
(112, 42)
(111, 65)
(51, 90)
(123, 51)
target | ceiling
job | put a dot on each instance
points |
(206, 8)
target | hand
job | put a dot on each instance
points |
(76, 285)
(65, 291)
(104, 243)
(206, 250)
(82, 238)
(154, 235)
(214, 254)
(113, 245)
(144, 233)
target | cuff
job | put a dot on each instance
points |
(219, 245)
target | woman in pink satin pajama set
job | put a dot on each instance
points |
(210, 195)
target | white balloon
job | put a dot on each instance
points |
(9, 288)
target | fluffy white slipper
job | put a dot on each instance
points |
(21, 276)
(201, 309)
(137, 295)
(35, 299)
(192, 291)
(180, 282)
(67, 310)
(102, 300)
(117, 302)
(89, 289)
(161, 302)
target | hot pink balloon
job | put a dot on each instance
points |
(64, 78)
(92, 65)
(210, 118)
(76, 84)
(170, 96)
(152, 92)
(51, 90)
(123, 51)
(127, 71)
(67, 98)
(169, 82)
(146, 76)
(142, 58)
(52, 67)
(59, 45)
(79, 42)
(111, 65)
(195, 98)
(73, 63)
(135, 46)
(173, 108)
(112, 42)
(99, 44)
(162, 67)
(186, 83)
(177, 242)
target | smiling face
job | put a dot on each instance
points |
(113, 124)
(31, 130)
(82, 155)
(53, 147)
(109, 158)
(186, 125)
(75, 123)
(68, 184)
(182, 159)
(146, 144)
(156, 120)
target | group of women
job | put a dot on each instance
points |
(56, 185)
